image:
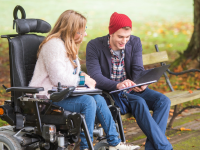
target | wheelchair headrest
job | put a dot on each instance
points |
(32, 25)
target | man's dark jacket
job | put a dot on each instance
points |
(98, 61)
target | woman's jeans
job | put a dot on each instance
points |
(92, 106)
(154, 127)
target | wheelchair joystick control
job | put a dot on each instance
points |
(59, 87)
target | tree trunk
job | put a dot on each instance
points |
(193, 50)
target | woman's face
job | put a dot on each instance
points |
(80, 35)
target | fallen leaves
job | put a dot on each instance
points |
(184, 129)
(178, 69)
(190, 91)
(143, 143)
(132, 118)
(168, 138)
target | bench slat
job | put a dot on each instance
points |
(176, 97)
(153, 58)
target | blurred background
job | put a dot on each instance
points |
(167, 23)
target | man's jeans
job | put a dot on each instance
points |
(92, 106)
(154, 127)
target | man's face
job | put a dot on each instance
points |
(119, 39)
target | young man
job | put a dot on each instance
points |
(115, 62)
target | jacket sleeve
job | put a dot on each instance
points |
(58, 66)
(94, 69)
(137, 63)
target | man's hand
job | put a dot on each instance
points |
(124, 84)
(128, 83)
(139, 89)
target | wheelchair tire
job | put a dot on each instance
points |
(8, 142)
(101, 146)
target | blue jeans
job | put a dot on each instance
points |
(154, 127)
(92, 106)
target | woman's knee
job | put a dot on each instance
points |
(89, 101)
(100, 101)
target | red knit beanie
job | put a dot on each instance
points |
(118, 21)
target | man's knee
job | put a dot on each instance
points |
(136, 101)
(163, 101)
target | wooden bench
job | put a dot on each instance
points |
(176, 97)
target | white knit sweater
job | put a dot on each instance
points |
(54, 66)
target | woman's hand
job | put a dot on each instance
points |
(91, 83)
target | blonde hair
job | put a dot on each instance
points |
(66, 27)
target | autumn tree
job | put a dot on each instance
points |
(193, 50)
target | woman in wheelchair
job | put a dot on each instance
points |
(58, 62)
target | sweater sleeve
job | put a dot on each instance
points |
(58, 65)
(94, 69)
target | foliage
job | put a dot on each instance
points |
(4, 70)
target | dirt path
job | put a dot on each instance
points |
(181, 140)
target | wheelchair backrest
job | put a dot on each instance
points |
(23, 49)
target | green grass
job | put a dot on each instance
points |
(171, 133)
(186, 119)
(137, 138)
(3, 123)
(192, 143)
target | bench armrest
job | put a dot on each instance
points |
(182, 72)
(25, 89)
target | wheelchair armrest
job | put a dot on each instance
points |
(109, 97)
(25, 89)
(58, 96)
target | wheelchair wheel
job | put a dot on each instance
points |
(8, 142)
(102, 145)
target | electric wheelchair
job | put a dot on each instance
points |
(35, 123)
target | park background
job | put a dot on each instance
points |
(167, 23)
